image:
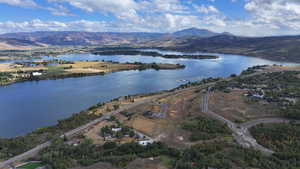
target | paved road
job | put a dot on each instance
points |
(76, 131)
(25, 155)
(240, 132)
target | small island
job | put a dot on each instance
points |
(58, 69)
(152, 53)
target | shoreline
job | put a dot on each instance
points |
(64, 126)
(44, 134)
(83, 72)
(132, 52)
(61, 50)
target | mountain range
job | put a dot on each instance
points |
(282, 48)
(102, 38)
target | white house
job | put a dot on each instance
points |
(116, 129)
(258, 96)
(36, 74)
(145, 142)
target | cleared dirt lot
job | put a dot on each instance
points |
(167, 128)
(282, 68)
(235, 106)
(93, 133)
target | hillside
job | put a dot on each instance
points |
(281, 48)
(82, 38)
(194, 32)
(103, 38)
(11, 43)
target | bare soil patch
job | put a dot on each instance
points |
(93, 133)
(235, 107)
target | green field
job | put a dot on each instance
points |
(31, 165)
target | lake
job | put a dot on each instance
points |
(30, 105)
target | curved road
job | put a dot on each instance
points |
(241, 131)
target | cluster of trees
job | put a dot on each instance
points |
(203, 128)
(218, 154)
(62, 156)
(5, 77)
(44, 63)
(144, 66)
(222, 155)
(252, 70)
(14, 146)
(284, 84)
(197, 83)
(125, 131)
(283, 138)
(293, 111)
(151, 53)
(277, 81)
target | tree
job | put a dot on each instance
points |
(110, 145)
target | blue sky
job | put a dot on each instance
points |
(240, 17)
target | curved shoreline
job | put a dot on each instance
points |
(153, 54)
(69, 74)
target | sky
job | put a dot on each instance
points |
(240, 17)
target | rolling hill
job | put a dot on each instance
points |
(12, 43)
(103, 38)
(280, 48)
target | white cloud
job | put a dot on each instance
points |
(38, 25)
(266, 17)
(174, 6)
(59, 10)
(279, 13)
(21, 3)
(206, 9)
(122, 9)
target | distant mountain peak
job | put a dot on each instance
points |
(195, 32)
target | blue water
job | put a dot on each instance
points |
(27, 106)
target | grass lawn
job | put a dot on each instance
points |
(166, 161)
(31, 165)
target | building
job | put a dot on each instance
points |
(116, 129)
(145, 142)
(36, 74)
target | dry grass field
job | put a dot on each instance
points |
(77, 67)
(235, 107)
(168, 128)
(282, 68)
(55, 69)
